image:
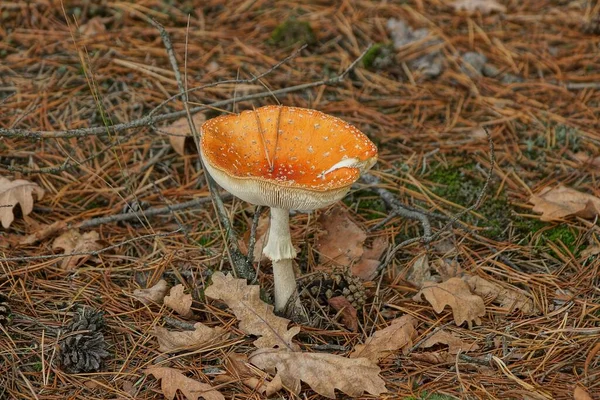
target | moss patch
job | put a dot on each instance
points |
(379, 56)
(562, 234)
(456, 185)
(291, 32)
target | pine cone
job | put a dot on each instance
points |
(84, 351)
(326, 285)
(4, 311)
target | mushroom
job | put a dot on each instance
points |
(286, 158)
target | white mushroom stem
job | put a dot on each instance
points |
(281, 252)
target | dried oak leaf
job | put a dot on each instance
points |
(420, 271)
(455, 344)
(366, 267)
(202, 335)
(238, 370)
(173, 380)
(343, 244)
(178, 301)
(483, 6)
(16, 192)
(154, 294)
(256, 317)
(179, 132)
(555, 204)
(349, 313)
(44, 231)
(322, 372)
(455, 293)
(74, 242)
(343, 241)
(506, 298)
(399, 335)
(580, 393)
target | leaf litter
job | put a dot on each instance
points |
(18, 192)
(540, 127)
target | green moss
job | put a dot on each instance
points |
(291, 32)
(368, 205)
(563, 234)
(455, 185)
(379, 56)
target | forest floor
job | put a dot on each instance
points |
(521, 322)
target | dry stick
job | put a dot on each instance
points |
(66, 165)
(236, 258)
(252, 241)
(414, 214)
(148, 120)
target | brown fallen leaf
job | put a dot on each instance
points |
(560, 202)
(342, 244)
(343, 241)
(420, 272)
(482, 6)
(590, 252)
(44, 231)
(16, 192)
(366, 267)
(399, 335)
(239, 370)
(154, 294)
(455, 293)
(201, 336)
(322, 372)
(179, 132)
(455, 344)
(173, 380)
(349, 313)
(256, 317)
(580, 393)
(93, 27)
(179, 302)
(587, 159)
(507, 298)
(74, 242)
(447, 268)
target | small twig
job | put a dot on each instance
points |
(427, 237)
(143, 214)
(237, 262)
(329, 347)
(485, 360)
(148, 120)
(252, 241)
(397, 207)
(179, 324)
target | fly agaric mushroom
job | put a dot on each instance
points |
(285, 158)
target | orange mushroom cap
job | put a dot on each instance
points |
(285, 157)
